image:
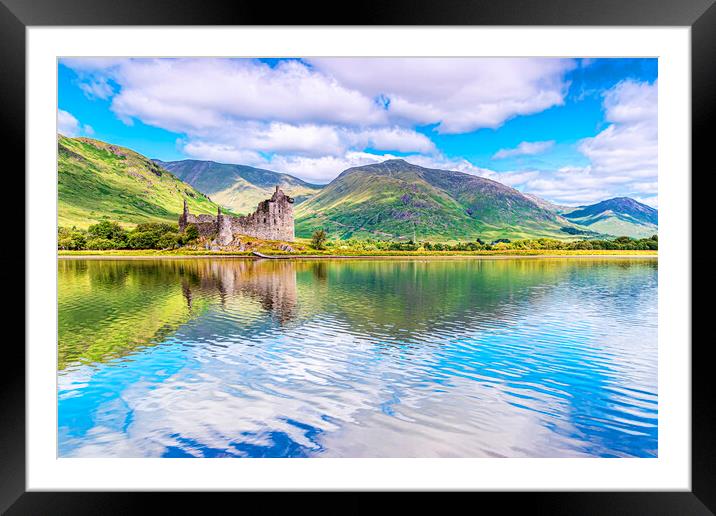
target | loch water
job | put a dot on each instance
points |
(225, 357)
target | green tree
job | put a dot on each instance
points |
(100, 244)
(191, 233)
(318, 239)
(142, 240)
(108, 230)
(71, 239)
(156, 227)
(169, 241)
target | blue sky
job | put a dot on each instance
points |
(573, 131)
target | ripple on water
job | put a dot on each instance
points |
(473, 358)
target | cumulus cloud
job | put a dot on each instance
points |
(514, 178)
(457, 94)
(629, 145)
(187, 95)
(310, 139)
(381, 99)
(524, 149)
(68, 125)
(623, 157)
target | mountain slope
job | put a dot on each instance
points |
(621, 216)
(398, 200)
(97, 181)
(238, 187)
(547, 205)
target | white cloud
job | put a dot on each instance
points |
(623, 157)
(93, 64)
(323, 169)
(382, 98)
(524, 149)
(393, 138)
(188, 95)
(513, 178)
(629, 145)
(222, 153)
(458, 94)
(652, 201)
(97, 88)
(310, 139)
(68, 125)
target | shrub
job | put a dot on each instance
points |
(318, 239)
(191, 233)
(71, 239)
(142, 240)
(108, 230)
(100, 244)
(156, 227)
(169, 241)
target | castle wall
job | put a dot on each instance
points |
(272, 220)
(205, 224)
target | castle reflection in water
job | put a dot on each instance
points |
(271, 283)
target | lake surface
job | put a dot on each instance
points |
(358, 358)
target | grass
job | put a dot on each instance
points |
(98, 181)
(329, 253)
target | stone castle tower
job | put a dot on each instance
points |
(272, 220)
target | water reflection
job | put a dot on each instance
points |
(271, 283)
(228, 357)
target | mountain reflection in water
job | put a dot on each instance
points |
(358, 358)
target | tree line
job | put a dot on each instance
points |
(319, 241)
(110, 235)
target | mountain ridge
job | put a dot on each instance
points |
(237, 187)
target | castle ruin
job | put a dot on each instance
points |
(272, 220)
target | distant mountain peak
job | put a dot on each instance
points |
(238, 187)
(397, 199)
(617, 216)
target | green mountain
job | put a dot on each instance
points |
(238, 187)
(393, 200)
(399, 200)
(97, 180)
(621, 216)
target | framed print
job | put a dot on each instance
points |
(435, 249)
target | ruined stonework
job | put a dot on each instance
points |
(272, 220)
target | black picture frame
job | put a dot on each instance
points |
(699, 15)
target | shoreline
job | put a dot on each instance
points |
(496, 256)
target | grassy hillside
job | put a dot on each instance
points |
(97, 181)
(238, 187)
(398, 200)
(621, 216)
